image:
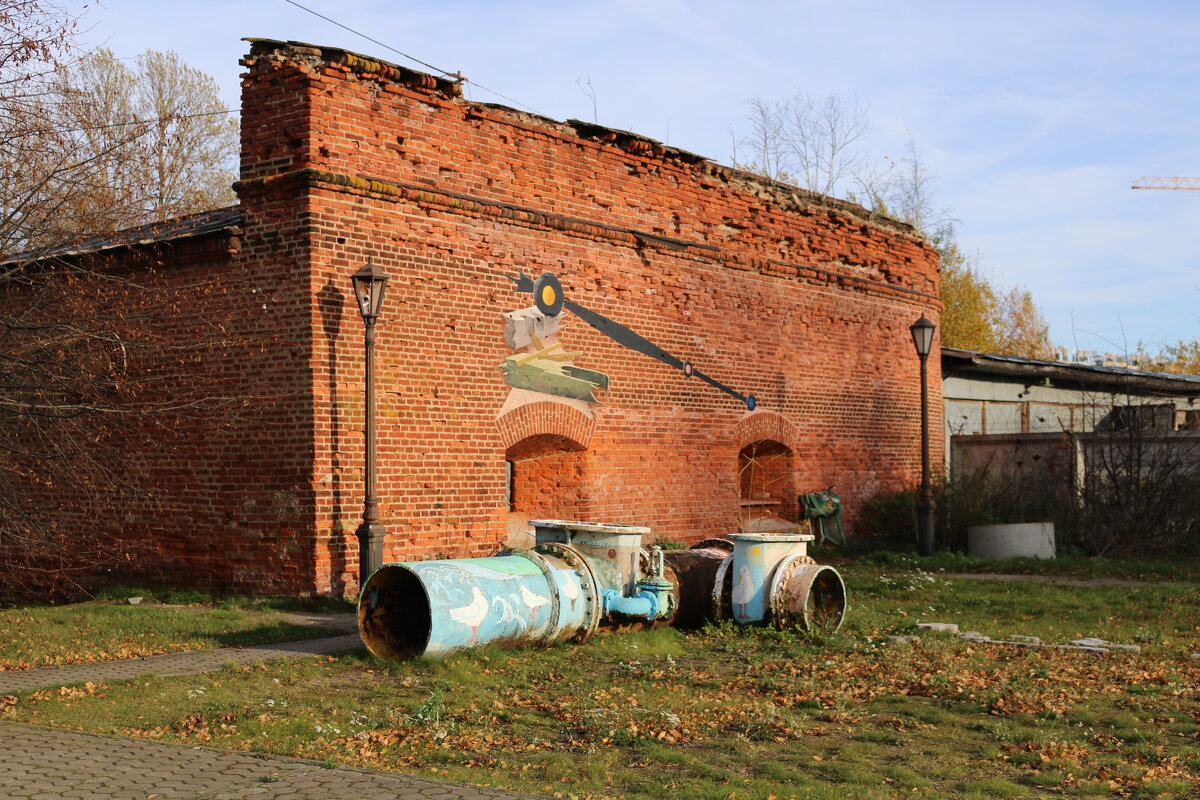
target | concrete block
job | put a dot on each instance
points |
(1092, 641)
(937, 627)
(1029, 539)
(903, 639)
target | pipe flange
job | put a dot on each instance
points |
(722, 592)
(587, 583)
(555, 602)
(777, 594)
(791, 595)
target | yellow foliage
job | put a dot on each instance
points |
(980, 317)
(1181, 358)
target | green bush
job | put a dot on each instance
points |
(888, 521)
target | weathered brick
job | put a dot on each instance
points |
(801, 300)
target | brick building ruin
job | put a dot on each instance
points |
(486, 421)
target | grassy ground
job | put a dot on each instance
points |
(739, 714)
(106, 629)
(1065, 566)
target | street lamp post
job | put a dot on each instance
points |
(369, 284)
(922, 335)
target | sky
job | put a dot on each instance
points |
(1034, 117)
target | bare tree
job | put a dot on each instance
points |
(151, 142)
(1137, 480)
(103, 370)
(813, 142)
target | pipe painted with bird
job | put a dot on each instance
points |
(577, 577)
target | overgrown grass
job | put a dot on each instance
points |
(104, 630)
(729, 712)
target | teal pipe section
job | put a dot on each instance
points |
(755, 556)
(650, 603)
(580, 576)
(433, 608)
(613, 552)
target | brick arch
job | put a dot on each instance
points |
(766, 444)
(546, 418)
(760, 425)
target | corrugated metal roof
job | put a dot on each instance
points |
(956, 360)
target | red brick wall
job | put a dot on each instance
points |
(802, 301)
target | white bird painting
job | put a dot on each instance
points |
(570, 589)
(472, 613)
(507, 613)
(532, 600)
(743, 590)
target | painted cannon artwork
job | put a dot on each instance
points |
(545, 367)
(582, 577)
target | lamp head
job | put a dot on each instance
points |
(369, 283)
(922, 335)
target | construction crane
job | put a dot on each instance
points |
(1153, 182)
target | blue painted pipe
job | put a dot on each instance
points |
(582, 575)
(647, 604)
(755, 556)
(432, 608)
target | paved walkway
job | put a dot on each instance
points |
(191, 662)
(46, 764)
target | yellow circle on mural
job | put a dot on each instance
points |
(548, 295)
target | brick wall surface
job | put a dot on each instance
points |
(802, 301)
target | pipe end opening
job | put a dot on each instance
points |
(394, 613)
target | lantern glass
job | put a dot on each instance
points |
(922, 335)
(368, 290)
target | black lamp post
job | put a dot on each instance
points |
(922, 335)
(368, 290)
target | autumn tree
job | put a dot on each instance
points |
(98, 364)
(971, 303)
(979, 316)
(150, 142)
(1181, 358)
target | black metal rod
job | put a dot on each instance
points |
(370, 533)
(925, 504)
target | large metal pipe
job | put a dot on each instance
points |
(583, 576)
(755, 557)
(797, 592)
(696, 570)
(808, 596)
(578, 577)
(435, 607)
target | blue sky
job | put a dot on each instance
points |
(1035, 116)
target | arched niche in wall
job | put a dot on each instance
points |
(766, 472)
(548, 464)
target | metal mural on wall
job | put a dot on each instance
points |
(543, 369)
(543, 365)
